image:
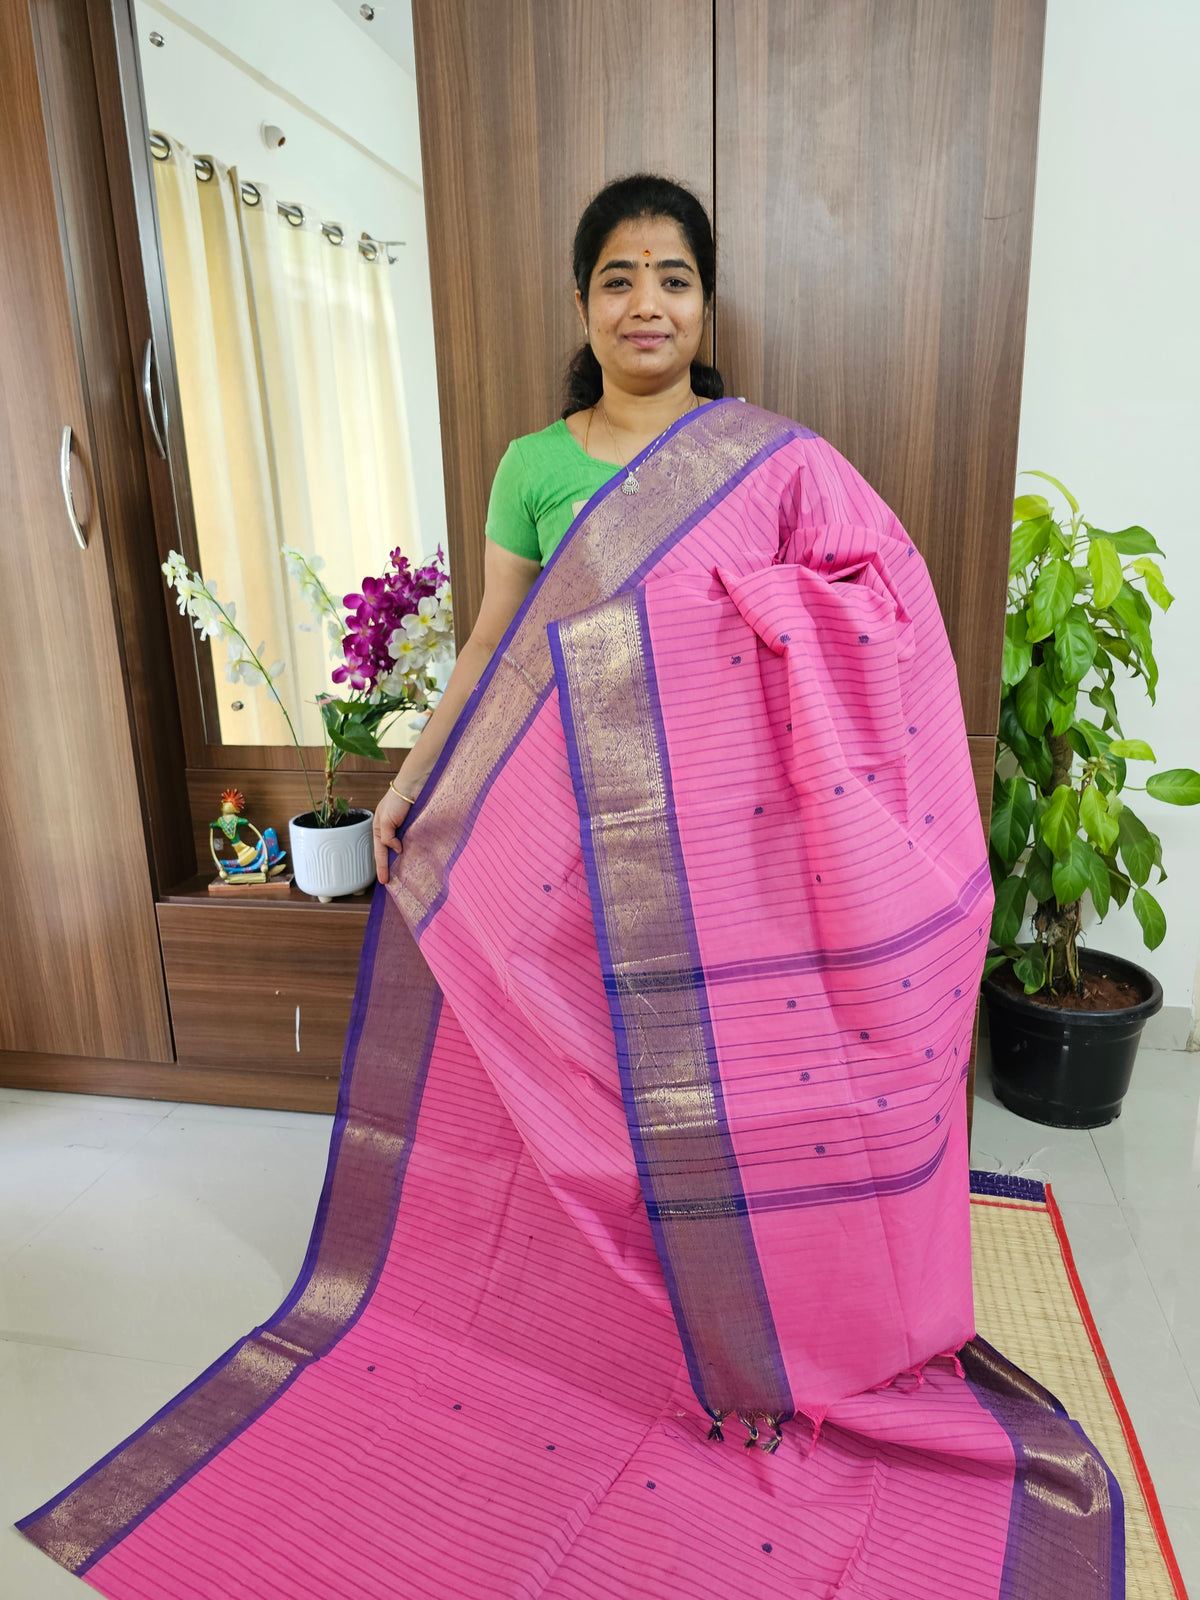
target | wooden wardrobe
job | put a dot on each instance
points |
(870, 173)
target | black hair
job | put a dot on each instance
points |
(624, 200)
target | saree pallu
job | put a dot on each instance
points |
(642, 1264)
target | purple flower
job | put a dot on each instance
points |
(376, 614)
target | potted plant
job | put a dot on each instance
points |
(392, 634)
(1065, 1021)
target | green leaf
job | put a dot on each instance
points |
(1093, 813)
(1037, 873)
(1178, 786)
(1062, 489)
(1104, 564)
(1009, 911)
(1102, 698)
(1032, 752)
(1031, 969)
(1114, 645)
(1129, 541)
(1132, 750)
(1062, 711)
(1072, 875)
(353, 738)
(1151, 574)
(1028, 506)
(1094, 738)
(1099, 884)
(1074, 645)
(1117, 881)
(1151, 916)
(1032, 697)
(1051, 598)
(1017, 652)
(1012, 815)
(992, 962)
(1137, 846)
(1060, 821)
(343, 805)
(1029, 541)
(1111, 778)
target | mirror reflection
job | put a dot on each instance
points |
(287, 181)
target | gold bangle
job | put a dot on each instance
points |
(411, 800)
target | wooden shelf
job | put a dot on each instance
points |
(194, 892)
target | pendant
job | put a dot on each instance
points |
(631, 485)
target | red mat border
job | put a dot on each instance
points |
(1145, 1482)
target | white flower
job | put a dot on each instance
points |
(304, 570)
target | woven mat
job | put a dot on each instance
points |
(1029, 1303)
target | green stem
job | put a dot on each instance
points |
(195, 577)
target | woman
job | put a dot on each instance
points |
(645, 272)
(651, 1126)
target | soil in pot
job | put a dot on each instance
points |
(1102, 991)
(308, 819)
(1069, 1065)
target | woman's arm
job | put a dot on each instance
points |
(507, 579)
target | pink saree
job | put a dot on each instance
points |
(642, 1265)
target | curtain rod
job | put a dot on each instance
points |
(160, 149)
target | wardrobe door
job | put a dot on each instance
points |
(874, 179)
(78, 945)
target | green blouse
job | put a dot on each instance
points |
(542, 483)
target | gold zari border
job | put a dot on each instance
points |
(670, 1077)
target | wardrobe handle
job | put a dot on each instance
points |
(148, 396)
(64, 474)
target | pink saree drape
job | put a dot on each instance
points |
(642, 1266)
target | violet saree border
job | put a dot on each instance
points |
(612, 544)
(389, 1044)
(1066, 1524)
(666, 1050)
(1005, 1186)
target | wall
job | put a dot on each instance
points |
(1111, 399)
(352, 150)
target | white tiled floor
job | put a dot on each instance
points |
(139, 1240)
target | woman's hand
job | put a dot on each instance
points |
(389, 814)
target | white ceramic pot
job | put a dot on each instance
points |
(332, 861)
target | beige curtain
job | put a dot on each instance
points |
(294, 421)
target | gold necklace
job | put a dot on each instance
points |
(631, 485)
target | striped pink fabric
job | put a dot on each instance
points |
(520, 1401)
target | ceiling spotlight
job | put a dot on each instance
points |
(367, 13)
(272, 136)
(158, 40)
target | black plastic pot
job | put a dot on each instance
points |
(1068, 1069)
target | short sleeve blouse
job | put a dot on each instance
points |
(542, 483)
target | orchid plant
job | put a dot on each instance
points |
(391, 636)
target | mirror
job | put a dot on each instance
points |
(297, 396)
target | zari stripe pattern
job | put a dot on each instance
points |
(655, 984)
(392, 1028)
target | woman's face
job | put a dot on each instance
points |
(645, 308)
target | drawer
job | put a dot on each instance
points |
(260, 987)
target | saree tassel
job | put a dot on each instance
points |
(958, 1366)
(753, 1427)
(715, 1431)
(777, 1429)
